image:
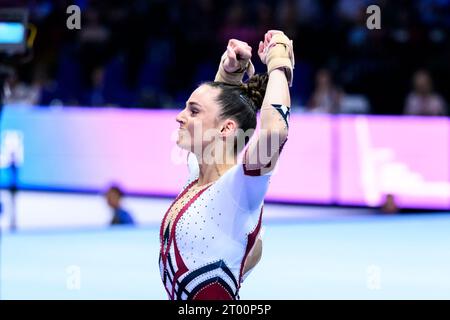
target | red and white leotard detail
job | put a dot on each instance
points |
(203, 251)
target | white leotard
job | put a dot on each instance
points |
(203, 251)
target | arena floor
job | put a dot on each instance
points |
(332, 257)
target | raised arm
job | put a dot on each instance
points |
(262, 154)
(235, 62)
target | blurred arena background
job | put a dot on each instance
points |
(359, 206)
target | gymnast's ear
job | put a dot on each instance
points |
(228, 127)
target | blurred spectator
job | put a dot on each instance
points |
(93, 41)
(326, 97)
(95, 94)
(355, 104)
(389, 205)
(17, 92)
(423, 100)
(120, 216)
(93, 32)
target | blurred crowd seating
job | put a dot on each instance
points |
(152, 53)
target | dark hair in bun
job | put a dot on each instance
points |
(242, 102)
(255, 89)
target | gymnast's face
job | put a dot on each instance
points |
(200, 122)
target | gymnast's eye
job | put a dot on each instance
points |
(194, 112)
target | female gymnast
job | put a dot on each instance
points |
(210, 235)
